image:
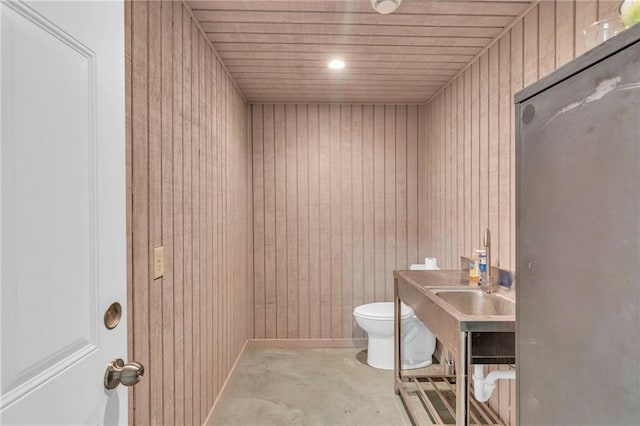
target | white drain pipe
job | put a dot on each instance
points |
(483, 386)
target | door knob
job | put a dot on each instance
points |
(120, 373)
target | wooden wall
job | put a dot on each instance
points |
(335, 201)
(468, 154)
(188, 163)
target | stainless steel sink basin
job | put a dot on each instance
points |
(476, 302)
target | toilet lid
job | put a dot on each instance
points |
(381, 310)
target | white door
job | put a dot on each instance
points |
(62, 211)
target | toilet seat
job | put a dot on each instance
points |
(381, 311)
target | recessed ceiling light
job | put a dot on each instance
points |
(385, 7)
(336, 64)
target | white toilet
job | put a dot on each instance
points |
(418, 343)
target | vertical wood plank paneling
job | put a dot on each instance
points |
(484, 146)
(246, 136)
(219, 233)
(187, 226)
(139, 302)
(494, 148)
(435, 157)
(431, 199)
(324, 152)
(546, 37)
(335, 187)
(346, 220)
(195, 217)
(167, 213)
(427, 228)
(348, 181)
(211, 378)
(608, 9)
(400, 173)
(203, 227)
(434, 190)
(461, 187)
(452, 210)
(269, 222)
(291, 148)
(178, 236)
(217, 82)
(206, 247)
(565, 41)
(379, 201)
(586, 13)
(219, 261)
(424, 190)
(314, 222)
(390, 242)
(468, 165)
(446, 175)
(258, 222)
(225, 168)
(356, 176)
(213, 229)
(302, 201)
(231, 246)
(186, 143)
(155, 208)
(281, 222)
(224, 160)
(438, 157)
(504, 154)
(434, 202)
(531, 47)
(441, 161)
(443, 165)
(453, 176)
(475, 156)
(368, 203)
(200, 225)
(412, 159)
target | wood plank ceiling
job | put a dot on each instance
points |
(277, 51)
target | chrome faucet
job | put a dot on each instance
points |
(487, 285)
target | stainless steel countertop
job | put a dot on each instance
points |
(415, 285)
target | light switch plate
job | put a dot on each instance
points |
(158, 262)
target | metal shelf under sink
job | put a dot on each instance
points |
(431, 400)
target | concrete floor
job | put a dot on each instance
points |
(309, 387)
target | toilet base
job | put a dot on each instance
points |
(380, 354)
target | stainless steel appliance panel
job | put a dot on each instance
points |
(578, 246)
